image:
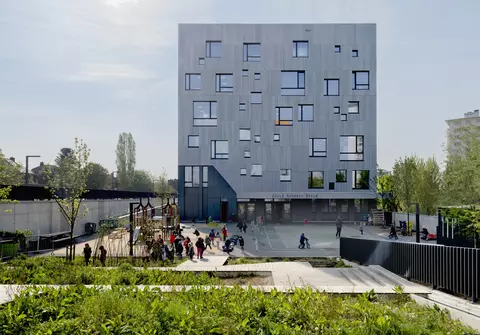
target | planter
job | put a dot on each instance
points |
(9, 249)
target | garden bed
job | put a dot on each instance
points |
(80, 310)
(316, 262)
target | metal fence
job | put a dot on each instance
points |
(454, 269)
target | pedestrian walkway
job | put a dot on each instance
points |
(207, 261)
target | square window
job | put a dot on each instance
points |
(205, 113)
(205, 176)
(243, 172)
(331, 186)
(293, 83)
(244, 134)
(256, 170)
(256, 97)
(257, 138)
(193, 141)
(224, 82)
(251, 52)
(300, 49)
(245, 73)
(242, 107)
(284, 116)
(285, 175)
(305, 113)
(331, 87)
(246, 154)
(315, 179)
(256, 76)
(276, 137)
(193, 81)
(341, 176)
(219, 150)
(201, 61)
(336, 110)
(343, 117)
(213, 49)
(351, 148)
(338, 49)
(360, 179)
(353, 107)
(361, 80)
(354, 53)
(317, 147)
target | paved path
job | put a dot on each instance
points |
(207, 261)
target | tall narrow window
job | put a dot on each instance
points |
(331, 87)
(361, 179)
(285, 175)
(193, 141)
(300, 49)
(315, 179)
(188, 176)
(219, 150)
(351, 148)
(361, 80)
(256, 97)
(317, 147)
(305, 113)
(256, 170)
(192, 176)
(204, 113)
(244, 134)
(224, 82)
(293, 83)
(193, 81)
(284, 116)
(213, 49)
(205, 176)
(353, 107)
(251, 52)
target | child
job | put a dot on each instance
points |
(361, 228)
(208, 242)
(191, 251)
(218, 238)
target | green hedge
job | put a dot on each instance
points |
(78, 310)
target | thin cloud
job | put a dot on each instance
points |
(108, 72)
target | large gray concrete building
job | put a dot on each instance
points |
(276, 121)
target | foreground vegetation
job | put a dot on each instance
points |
(81, 310)
(320, 262)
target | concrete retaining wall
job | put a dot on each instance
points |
(44, 217)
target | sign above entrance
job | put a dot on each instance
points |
(300, 195)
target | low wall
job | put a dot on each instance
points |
(428, 221)
(44, 217)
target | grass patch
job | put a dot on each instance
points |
(79, 310)
(316, 262)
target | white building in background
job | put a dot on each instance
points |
(454, 125)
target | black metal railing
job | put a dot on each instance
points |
(454, 269)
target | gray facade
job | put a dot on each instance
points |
(296, 125)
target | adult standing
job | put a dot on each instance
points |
(339, 227)
(103, 255)
(200, 247)
(87, 252)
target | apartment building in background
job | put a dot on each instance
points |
(276, 121)
(454, 142)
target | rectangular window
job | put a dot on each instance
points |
(257, 138)
(219, 150)
(338, 49)
(201, 61)
(244, 134)
(343, 117)
(293, 83)
(192, 176)
(213, 49)
(188, 176)
(251, 52)
(244, 73)
(336, 110)
(331, 186)
(353, 107)
(300, 49)
(331, 87)
(242, 107)
(305, 113)
(256, 76)
(360, 80)
(332, 206)
(205, 113)
(361, 179)
(276, 137)
(286, 175)
(243, 172)
(193, 81)
(246, 154)
(193, 141)
(284, 116)
(205, 176)
(354, 53)
(256, 170)
(317, 147)
(351, 148)
(224, 82)
(256, 97)
(341, 176)
(315, 179)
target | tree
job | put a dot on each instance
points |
(427, 185)
(404, 175)
(99, 177)
(68, 187)
(126, 160)
(10, 174)
(384, 184)
(163, 188)
(142, 181)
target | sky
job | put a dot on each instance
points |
(92, 69)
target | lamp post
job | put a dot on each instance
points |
(113, 179)
(417, 219)
(131, 227)
(26, 166)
